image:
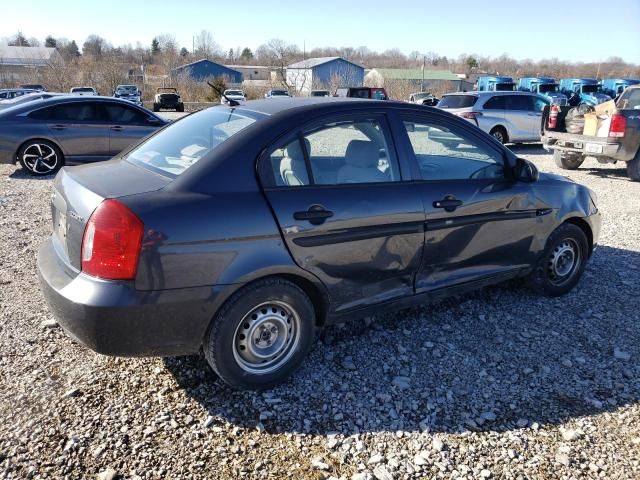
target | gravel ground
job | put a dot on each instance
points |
(496, 384)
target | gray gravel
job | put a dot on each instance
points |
(495, 384)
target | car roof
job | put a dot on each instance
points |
(62, 99)
(498, 92)
(274, 106)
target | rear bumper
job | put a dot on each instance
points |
(113, 318)
(589, 146)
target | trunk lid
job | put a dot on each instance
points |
(77, 192)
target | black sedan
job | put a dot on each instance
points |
(43, 135)
(242, 230)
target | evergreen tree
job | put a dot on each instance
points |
(19, 41)
(155, 46)
(50, 42)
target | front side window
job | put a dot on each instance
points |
(336, 153)
(123, 114)
(70, 113)
(445, 153)
(185, 142)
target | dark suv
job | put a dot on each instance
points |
(167, 98)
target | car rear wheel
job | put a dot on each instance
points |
(180, 108)
(156, 107)
(562, 263)
(567, 161)
(261, 335)
(633, 168)
(40, 157)
(500, 134)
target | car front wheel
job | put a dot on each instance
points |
(561, 266)
(261, 335)
(40, 157)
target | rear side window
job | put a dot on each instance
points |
(495, 103)
(182, 144)
(337, 153)
(518, 102)
(70, 112)
(457, 101)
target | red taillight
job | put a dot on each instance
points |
(471, 116)
(618, 125)
(112, 241)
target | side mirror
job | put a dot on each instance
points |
(526, 171)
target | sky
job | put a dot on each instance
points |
(533, 29)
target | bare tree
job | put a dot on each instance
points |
(206, 46)
(278, 54)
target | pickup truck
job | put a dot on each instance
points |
(621, 144)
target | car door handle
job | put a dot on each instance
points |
(117, 128)
(316, 214)
(58, 127)
(449, 203)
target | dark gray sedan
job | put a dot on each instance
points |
(241, 230)
(45, 135)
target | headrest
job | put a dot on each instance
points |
(362, 154)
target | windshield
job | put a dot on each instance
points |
(82, 89)
(234, 92)
(548, 87)
(504, 87)
(279, 92)
(590, 88)
(422, 95)
(184, 143)
(457, 101)
(127, 89)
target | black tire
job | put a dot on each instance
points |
(227, 348)
(544, 278)
(633, 168)
(567, 161)
(500, 134)
(180, 108)
(40, 157)
(156, 108)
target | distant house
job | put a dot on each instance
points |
(415, 77)
(19, 64)
(204, 68)
(323, 73)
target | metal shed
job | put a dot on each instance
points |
(204, 68)
(324, 73)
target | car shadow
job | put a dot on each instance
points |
(609, 171)
(527, 149)
(498, 359)
(21, 174)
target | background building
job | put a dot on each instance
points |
(203, 69)
(324, 73)
(23, 64)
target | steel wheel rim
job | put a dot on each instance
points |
(564, 261)
(40, 158)
(267, 337)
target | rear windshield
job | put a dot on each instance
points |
(88, 89)
(630, 99)
(184, 143)
(457, 101)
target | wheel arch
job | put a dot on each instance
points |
(585, 227)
